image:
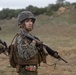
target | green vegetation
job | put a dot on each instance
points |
(7, 13)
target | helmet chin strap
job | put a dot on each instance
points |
(27, 30)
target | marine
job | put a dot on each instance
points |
(28, 52)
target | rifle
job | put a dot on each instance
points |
(5, 46)
(49, 50)
(52, 53)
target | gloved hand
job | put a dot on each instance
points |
(33, 42)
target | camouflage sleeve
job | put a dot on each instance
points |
(25, 50)
(1, 48)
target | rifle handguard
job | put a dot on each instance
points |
(56, 55)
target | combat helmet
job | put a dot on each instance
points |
(25, 15)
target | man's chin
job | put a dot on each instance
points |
(29, 29)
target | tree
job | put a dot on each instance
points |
(33, 9)
(4, 13)
(60, 2)
(66, 3)
(36, 10)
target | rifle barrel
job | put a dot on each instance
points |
(63, 60)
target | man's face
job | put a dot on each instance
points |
(28, 24)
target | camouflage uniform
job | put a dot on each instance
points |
(1, 48)
(26, 50)
(29, 53)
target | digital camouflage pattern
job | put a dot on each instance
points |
(26, 51)
(1, 48)
(25, 48)
(25, 15)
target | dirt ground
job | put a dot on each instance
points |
(61, 68)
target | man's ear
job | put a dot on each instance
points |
(21, 25)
